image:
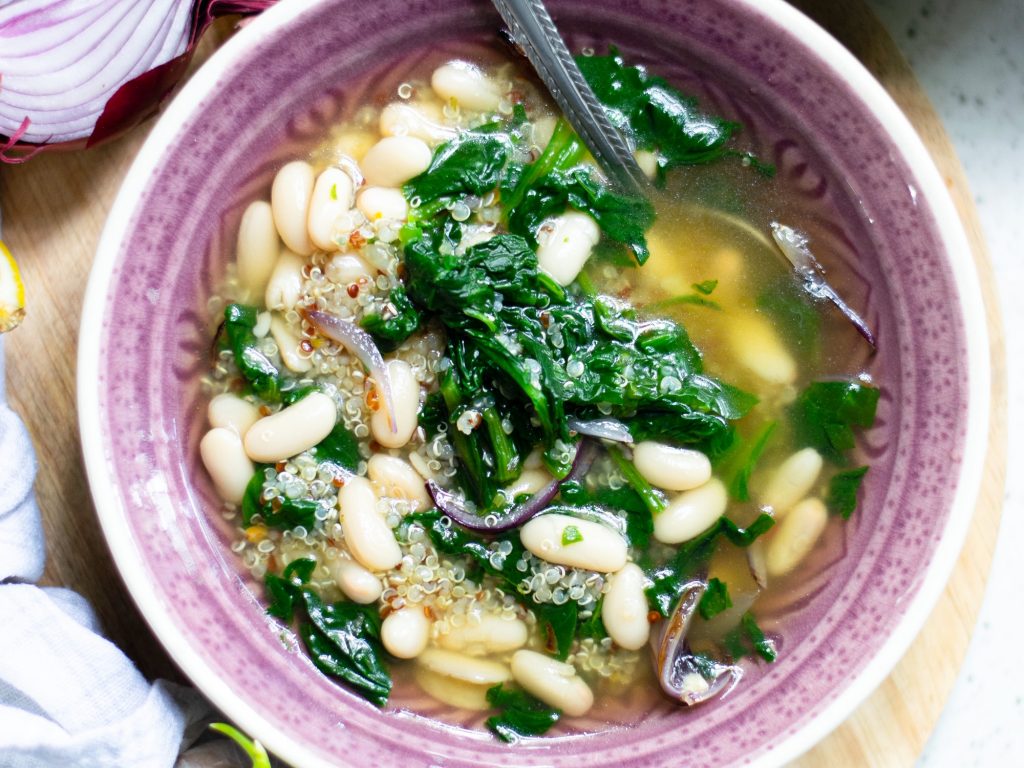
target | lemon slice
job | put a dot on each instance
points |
(12, 292)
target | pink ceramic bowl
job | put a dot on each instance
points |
(868, 193)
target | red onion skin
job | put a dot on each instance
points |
(141, 97)
(453, 506)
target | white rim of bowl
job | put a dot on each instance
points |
(843, 65)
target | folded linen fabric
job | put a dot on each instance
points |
(68, 696)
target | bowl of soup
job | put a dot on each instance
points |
(415, 438)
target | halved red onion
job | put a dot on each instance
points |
(604, 429)
(361, 344)
(77, 74)
(454, 504)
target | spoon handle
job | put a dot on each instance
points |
(535, 32)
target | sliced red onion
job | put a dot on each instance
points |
(454, 504)
(679, 673)
(361, 344)
(793, 244)
(76, 74)
(604, 429)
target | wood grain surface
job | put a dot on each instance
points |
(54, 208)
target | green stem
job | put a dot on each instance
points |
(506, 457)
(652, 498)
(252, 748)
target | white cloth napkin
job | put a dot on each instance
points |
(68, 697)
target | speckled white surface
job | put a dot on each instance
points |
(969, 56)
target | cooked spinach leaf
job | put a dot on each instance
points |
(558, 623)
(748, 639)
(842, 491)
(714, 600)
(285, 590)
(284, 515)
(470, 164)
(340, 447)
(748, 454)
(261, 374)
(658, 116)
(521, 714)
(344, 641)
(691, 558)
(827, 412)
(393, 324)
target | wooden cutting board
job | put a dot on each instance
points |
(54, 208)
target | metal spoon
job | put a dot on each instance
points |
(535, 33)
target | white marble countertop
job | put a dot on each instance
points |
(969, 56)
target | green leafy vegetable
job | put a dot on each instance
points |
(714, 600)
(284, 515)
(828, 411)
(748, 639)
(521, 714)
(286, 589)
(624, 500)
(747, 458)
(343, 638)
(842, 491)
(570, 535)
(340, 447)
(706, 287)
(470, 164)
(593, 626)
(253, 749)
(261, 374)
(658, 116)
(395, 323)
(652, 498)
(558, 622)
(344, 641)
(668, 578)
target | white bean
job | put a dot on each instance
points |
(358, 584)
(691, 513)
(232, 412)
(648, 162)
(396, 479)
(367, 535)
(288, 344)
(383, 203)
(466, 668)
(624, 611)
(553, 682)
(757, 346)
(289, 199)
(591, 545)
(257, 248)
(671, 468)
(529, 482)
(225, 459)
(262, 326)
(332, 197)
(792, 480)
(291, 430)
(405, 391)
(795, 536)
(564, 245)
(405, 632)
(346, 268)
(401, 119)
(285, 286)
(394, 160)
(466, 84)
(492, 634)
(454, 693)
